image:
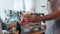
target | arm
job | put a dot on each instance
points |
(51, 16)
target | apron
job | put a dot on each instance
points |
(57, 23)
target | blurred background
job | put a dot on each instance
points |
(10, 11)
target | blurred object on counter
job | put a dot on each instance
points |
(12, 15)
(26, 30)
(12, 27)
(4, 26)
(0, 26)
(33, 27)
(40, 32)
(5, 32)
(18, 28)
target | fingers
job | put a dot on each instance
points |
(28, 18)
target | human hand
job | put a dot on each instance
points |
(29, 18)
(13, 24)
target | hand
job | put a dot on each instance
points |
(29, 18)
(12, 25)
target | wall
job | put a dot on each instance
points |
(38, 6)
(5, 5)
(23, 5)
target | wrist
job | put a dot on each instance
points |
(37, 19)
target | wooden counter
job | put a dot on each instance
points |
(40, 32)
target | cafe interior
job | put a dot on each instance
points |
(11, 11)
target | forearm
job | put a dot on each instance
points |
(51, 16)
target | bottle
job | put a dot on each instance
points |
(18, 28)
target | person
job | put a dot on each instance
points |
(54, 15)
(34, 18)
(53, 27)
(28, 18)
